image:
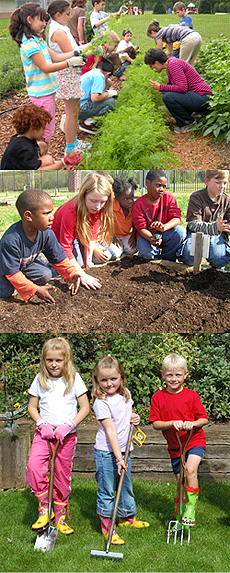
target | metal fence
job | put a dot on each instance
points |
(11, 182)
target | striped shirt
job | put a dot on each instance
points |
(38, 83)
(173, 33)
(183, 78)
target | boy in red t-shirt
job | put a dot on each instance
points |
(157, 218)
(179, 408)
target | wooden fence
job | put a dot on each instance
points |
(151, 461)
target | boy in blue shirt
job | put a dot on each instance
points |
(185, 21)
(180, 10)
(20, 265)
(97, 100)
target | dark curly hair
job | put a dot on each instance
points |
(121, 185)
(30, 116)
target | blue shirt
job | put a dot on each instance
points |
(186, 21)
(93, 82)
(17, 251)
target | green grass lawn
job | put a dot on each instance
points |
(144, 550)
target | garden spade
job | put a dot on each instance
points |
(45, 540)
(106, 553)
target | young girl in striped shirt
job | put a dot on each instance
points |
(40, 63)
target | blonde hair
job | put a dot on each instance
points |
(108, 362)
(102, 183)
(174, 361)
(69, 371)
(216, 173)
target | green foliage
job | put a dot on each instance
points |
(135, 133)
(204, 7)
(88, 28)
(11, 73)
(159, 7)
(141, 356)
(216, 72)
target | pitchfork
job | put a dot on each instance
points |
(174, 523)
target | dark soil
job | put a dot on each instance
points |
(136, 296)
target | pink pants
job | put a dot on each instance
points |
(48, 103)
(37, 467)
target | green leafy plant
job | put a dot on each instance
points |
(214, 67)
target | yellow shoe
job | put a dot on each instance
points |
(43, 519)
(63, 527)
(132, 522)
(116, 540)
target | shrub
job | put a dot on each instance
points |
(216, 72)
(141, 355)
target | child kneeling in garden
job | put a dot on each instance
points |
(21, 268)
(23, 150)
(156, 217)
(176, 408)
(124, 240)
(54, 394)
(209, 212)
(112, 404)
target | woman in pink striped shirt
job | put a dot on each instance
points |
(185, 95)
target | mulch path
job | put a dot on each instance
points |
(194, 152)
(136, 296)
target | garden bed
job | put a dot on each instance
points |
(136, 296)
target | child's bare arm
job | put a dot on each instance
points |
(84, 409)
(188, 425)
(111, 432)
(160, 425)
(33, 408)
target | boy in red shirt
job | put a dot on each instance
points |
(179, 408)
(157, 217)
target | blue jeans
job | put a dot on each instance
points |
(219, 252)
(38, 272)
(91, 109)
(106, 477)
(181, 106)
(171, 241)
(121, 69)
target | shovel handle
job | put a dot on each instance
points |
(182, 466)
(119, 488)
(52, 466)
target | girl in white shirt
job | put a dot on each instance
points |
(54, 394)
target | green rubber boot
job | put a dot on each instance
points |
(177, 526)
(188, 517)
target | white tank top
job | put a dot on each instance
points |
(53, 27)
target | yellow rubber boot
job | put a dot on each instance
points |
(105, 527)
(60, 515)
(43, 516)
(132, 522)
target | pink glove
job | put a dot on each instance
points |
(73, 158)
(61, 431)
(47, 431)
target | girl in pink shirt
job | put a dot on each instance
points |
(112, 404)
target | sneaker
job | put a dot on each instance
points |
(82, 145)
(62, 123)
(132, 522)
(90, 121)
(185, 128)
(196, 115)
(87, 128)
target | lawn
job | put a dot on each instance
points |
(144, 550)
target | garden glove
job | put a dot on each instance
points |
(112, 93)
(73, 158)
(76, 62)
(63, 430)
(46, 429)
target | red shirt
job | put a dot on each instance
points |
(144, 213)
(183, 78)
(185, 405)
(65, 225)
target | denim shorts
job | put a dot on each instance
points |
(197, 450)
